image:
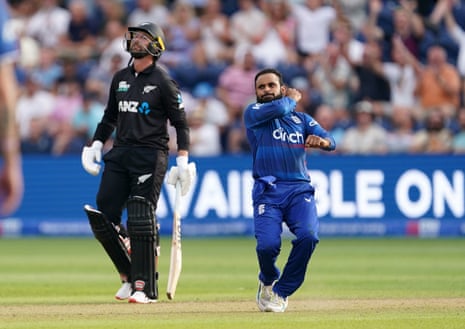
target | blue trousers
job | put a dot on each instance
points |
(291, 203)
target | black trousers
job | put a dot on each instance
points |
(130, 171)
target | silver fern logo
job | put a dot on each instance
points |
(148, 89)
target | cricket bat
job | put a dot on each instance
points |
(176, 250)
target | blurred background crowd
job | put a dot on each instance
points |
(383, 76)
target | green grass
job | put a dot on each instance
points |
(351, 284)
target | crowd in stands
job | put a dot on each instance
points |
(383, 76)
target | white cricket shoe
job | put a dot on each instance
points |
(124, 292)
(139, 297)
(276, 304)
(263, 296)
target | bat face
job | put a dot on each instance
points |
(176, 255)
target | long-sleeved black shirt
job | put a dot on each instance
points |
(139, 107)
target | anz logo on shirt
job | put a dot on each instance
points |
(290, 137)
(134, 107)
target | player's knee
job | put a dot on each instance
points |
(141, 217)
(269, 246)
(308, 238)
(107, 209)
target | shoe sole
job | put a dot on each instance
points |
(267, 309)
(121, 298)
(135, 301)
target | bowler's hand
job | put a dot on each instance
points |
(294, 94)
(91, 157)
(314, 141)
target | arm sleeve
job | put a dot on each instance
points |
(314, 128)
(110, 116)
(103, 132)
(176, 114)
(259, 113)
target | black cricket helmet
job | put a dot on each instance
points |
(157, 45)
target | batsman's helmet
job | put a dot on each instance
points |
(155, 47)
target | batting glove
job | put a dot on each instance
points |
(91, 157)
(184, 173)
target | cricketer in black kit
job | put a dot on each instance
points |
(142, 99)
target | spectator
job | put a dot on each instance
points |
(48, 70)
(149, 11)
(248, 25)
(38, 140)
(400, 138)
(277, 47)
(111, 45)
(326, 117)
(204, 135)
(409, 27)
(213, 110)
(372, 84)
(182, 33)
(49, 24)
(332, 77)
(231, 88)
(435, 137)
(314, 21)
(67, 104)
(401, 76)
(34, 104)
(215, 45)
(366, 136)
(82, 31)
(438, 84)
(85, 120)
(438, 33)
(108, 10)
(344, 36)
(457, 33)
(355, 10)
(236, 94)
(99, 79)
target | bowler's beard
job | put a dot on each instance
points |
(266, 98)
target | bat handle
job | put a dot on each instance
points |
(177, 200)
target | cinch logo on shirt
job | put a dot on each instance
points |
(283, 136)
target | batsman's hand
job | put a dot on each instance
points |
(91, 157)
(184, 173)
(314, 141)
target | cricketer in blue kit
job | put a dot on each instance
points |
(282, 192)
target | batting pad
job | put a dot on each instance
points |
(106, 234)
(143, 233)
